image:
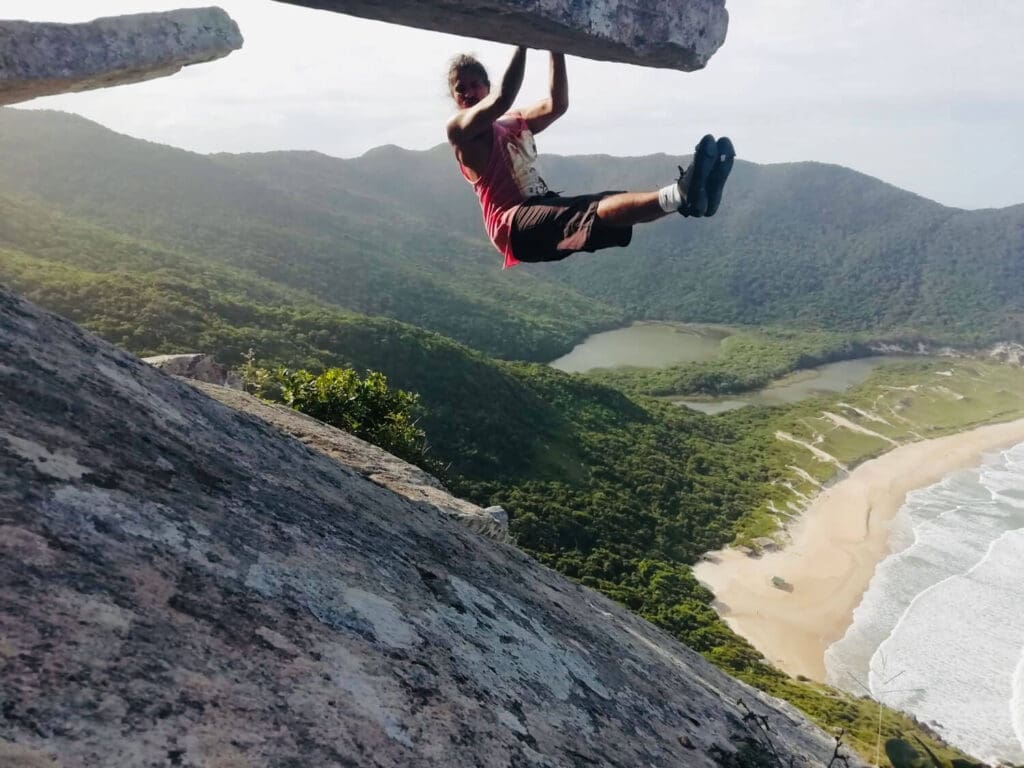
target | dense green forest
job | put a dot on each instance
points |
(379, 264)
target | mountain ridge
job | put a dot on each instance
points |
(397, 233)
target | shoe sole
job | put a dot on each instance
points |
(719, 174)
(704, 156)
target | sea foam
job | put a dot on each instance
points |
(940, 630)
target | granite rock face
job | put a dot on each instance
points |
(376, 465)
(41, 59)
(184, 584)
(673, 34)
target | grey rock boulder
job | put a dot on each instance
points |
(185, 584)
(197, 366)
(41, 58)
(498, 514)
(673, 34)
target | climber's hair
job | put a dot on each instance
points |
(465, 62)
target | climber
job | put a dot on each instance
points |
(524, 219)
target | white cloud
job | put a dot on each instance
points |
(925, 94)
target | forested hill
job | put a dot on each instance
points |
(397, 233)
(806, 243)
(349, 250)
(821, 245)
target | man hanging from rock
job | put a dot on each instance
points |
(524, 219)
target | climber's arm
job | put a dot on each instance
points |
(545, 112)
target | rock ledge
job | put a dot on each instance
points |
(673, 34)
(41, 59)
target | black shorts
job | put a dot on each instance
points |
(550, 227)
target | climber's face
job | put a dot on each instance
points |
(469, 88)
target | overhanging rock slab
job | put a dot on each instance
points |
(672, 34)
(42, 58)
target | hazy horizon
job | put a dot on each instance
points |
(920, 95)
(440, 144)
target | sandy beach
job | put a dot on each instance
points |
(834, 549)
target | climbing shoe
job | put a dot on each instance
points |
(693, 181)
(726, 153)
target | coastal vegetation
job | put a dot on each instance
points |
(648, 572)
(369, 279)
(820, 438)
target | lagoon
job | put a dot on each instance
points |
(659, 345)
(825, 379)
(644, 345)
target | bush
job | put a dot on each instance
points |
(362, 405)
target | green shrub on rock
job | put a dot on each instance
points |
(364, 406)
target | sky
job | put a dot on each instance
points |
(924, 94)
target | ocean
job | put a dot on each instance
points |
(940, 630)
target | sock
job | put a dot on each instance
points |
(670, 198)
